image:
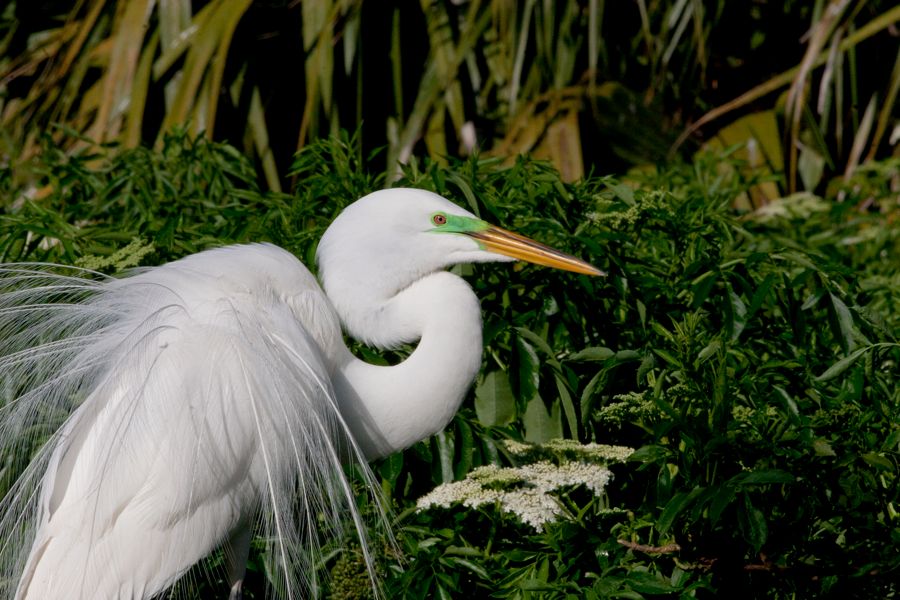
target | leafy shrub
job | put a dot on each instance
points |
(750, 359)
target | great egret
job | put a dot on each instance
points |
(186, 404)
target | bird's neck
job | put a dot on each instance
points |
(390, 408)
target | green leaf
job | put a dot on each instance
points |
(753, 524)
(822, 448)
(668, 357)
(892, 443)
(844, 323)
(709, 350)
(466, 443)
(789, 404)
(842, 365)
(722, 498)
(593, 353)
(445, 456)
(642, 313)
(649, 454)
(529, 370)
(737, 315)
(494, 402)
(565, 398)
(759, 296)
(767, 476)
(674, 507)
(647, 363)
(587, 402)
(470, 566)
(539, 342)
(879, 461)
(542, 426)
(649, 583)
(627, 594)
(627, 355)
(391, 466)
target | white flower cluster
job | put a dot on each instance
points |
(524, 491)
(601, 453)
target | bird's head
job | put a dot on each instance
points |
(385, 242)
(396, 236)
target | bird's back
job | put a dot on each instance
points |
(207, 405)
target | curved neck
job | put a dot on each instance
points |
(391, 408)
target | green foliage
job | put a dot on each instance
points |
(190, 195)
(750, 359)
(580, 82)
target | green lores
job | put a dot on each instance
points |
(500, 241)
(444, 223)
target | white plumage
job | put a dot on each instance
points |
(189, 404)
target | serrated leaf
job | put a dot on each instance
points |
(647, 363)
(822, 448)
(494, 402)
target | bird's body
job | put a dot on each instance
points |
(214, 395)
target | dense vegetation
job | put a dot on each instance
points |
(587, 84)
(749, 359)
(743, 345)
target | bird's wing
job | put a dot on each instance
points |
(205, 403)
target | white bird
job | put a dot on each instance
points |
(179, 409)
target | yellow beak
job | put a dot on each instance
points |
(507, 243)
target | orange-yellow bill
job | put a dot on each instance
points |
(507, 243)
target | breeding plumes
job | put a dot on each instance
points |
(154, 418)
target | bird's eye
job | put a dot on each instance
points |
(439, 219)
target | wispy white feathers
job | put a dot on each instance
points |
(146, 421)
(164, 413)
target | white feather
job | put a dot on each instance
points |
(208, 401)
(148, 420)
